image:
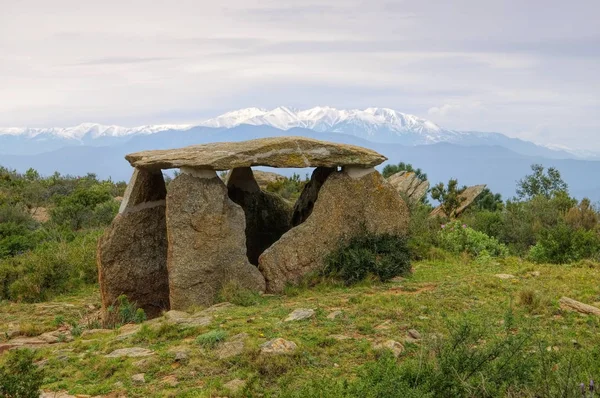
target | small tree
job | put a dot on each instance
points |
(547, 184)
(392, 169)
(488, 200)
(449, 197)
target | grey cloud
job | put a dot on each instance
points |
(122, 60)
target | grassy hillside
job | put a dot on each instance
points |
(440, 297)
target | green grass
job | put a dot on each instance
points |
(438, 295)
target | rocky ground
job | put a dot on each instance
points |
(259, 346)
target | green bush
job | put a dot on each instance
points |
(422, 231)
(289, 187)
(124, 312)
(19, 377)
(51, 268)
(384, 256)
(562, 244)
(458, 238)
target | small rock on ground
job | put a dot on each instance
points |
(414, 333)
(133, 352)
(504, 276)
(334, 314)
(230, 349)
(235, 385)
(300, 314)
(278, 346)
(138, 378)
(170, 380)
(567, 303)
(394, 346)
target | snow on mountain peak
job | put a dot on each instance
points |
(369, 123)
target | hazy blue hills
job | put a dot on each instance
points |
(497, 166)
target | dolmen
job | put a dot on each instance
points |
(178, 247)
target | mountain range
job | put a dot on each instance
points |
(472, 157)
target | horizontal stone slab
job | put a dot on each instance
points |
(293, 152)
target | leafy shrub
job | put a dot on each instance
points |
(19, 377)
(211, 339)
(422, 231)
(124, 312)
(392, 169)
(51, 268)
(458, 238)
(384, 256)
(561, 244)
(289, 187)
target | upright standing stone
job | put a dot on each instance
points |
(305, 203)
(350, 202)
(267, 215)
(132, 254)
(207, 244)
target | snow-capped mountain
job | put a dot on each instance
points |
(380, 125)
(376, 124)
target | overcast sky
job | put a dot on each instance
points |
(527, 68)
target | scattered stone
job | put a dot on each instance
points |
(343, 210)
(139, 378)
(184, 319)
(466, 198)
(207, 243)
(569, 304)
(235, 385)
(535, 273)
(170, 380)
(133, 352)
(385, 325)
(504, 276)
(394, 346)
(411, 187)
(181, 356)
(300, 314)
(126, 331)
(334, 314)
(230, 349)
(278, 346)
(132, 254)
(296, 152)
(414, 333)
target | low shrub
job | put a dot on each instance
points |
(51, 268)
(19, 377)
(211, 339)
(562, 244)
(458, 238)
(238, 295)
(124, 312)
(384, 256)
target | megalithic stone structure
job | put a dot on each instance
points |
(179, 249)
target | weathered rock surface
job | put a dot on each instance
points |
(274, 152)
(235, 385)
(264, 178)
(132, 254)
(306, 202)
(466, 198)
(412, 188)
(184, 319)
(394, 346)
(278, 346)
(267, 215)
(207, 244)
(567, 303)
(232, 348)
(300, 314)
(349, 202)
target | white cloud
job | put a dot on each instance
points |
(134, 62)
